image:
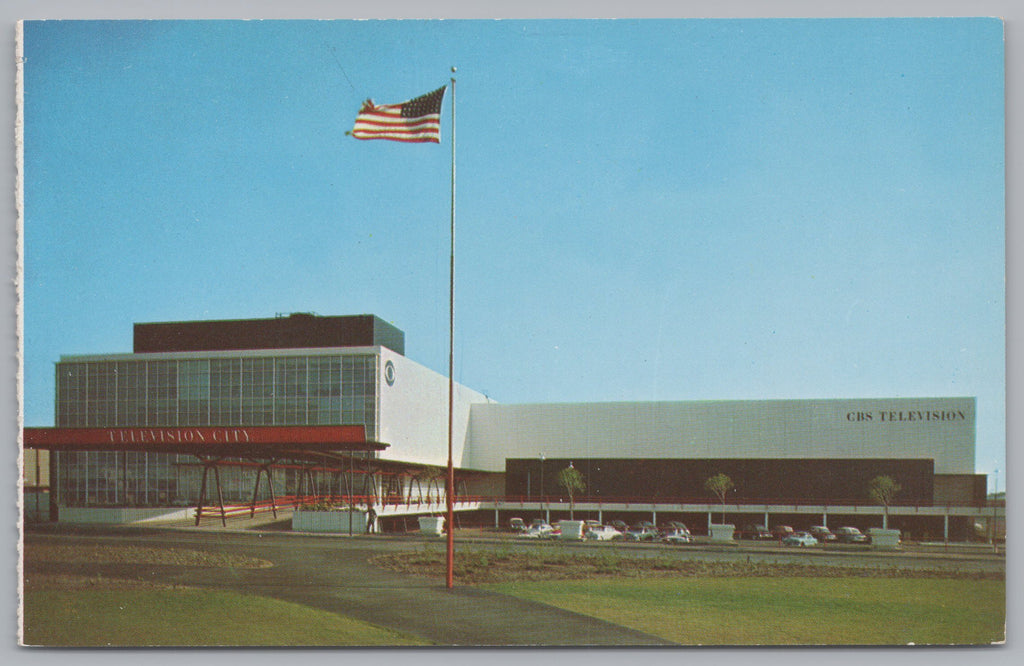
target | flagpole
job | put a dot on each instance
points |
(451, 364)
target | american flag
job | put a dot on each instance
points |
(415, 121)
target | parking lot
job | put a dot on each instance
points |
(677, 533)
(981, 558)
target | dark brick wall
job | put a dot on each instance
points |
(296, 331)
(960, 489)
(769, 480)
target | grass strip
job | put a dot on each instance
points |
(187, 617)
(787, 610)
(479, 566)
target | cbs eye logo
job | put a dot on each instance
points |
(389, 373)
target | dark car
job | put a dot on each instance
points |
(619, 525)
(755, 533)
(780, 532)
(850, 535)
(822, 534)
(675, 526)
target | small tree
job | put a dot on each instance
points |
(883, 490)
(719, 485)
(571, 479)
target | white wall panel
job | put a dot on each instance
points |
(938, 428)
(414, 414)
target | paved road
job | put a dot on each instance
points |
(334, 574)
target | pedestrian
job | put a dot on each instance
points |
(371, 520)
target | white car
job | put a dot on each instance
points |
(800, 539)
(602, 533)
(676, 537)
(539, 531)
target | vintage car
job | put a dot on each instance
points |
(800, 539)
(851, 535)
(538, 531)
(822, 534)
(676, 537)
(602, 533)
(642, 532)
(755, 532)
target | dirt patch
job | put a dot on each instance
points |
(69, 583)
(108, 554)
(496, 567)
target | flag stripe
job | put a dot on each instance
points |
(388, 122)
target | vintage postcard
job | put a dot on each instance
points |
(632, 332)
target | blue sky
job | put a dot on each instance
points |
(646, 210)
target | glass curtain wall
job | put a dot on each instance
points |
(335, 389)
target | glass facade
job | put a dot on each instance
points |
(328, 389)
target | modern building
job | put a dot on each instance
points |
(331, 405)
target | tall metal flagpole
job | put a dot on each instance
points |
(451, 364)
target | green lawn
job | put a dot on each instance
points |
(787, 611)
(188, 617)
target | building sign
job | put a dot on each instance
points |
(908, 416)
(186, 435)
(223, 439)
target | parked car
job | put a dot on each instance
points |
(800, 539)
(516, 525)
(619, 525)
(641, 532)
(851, 535)
(675, 525)
(822, 534)
(780, 532)
(538, 531)
(602, 533)
(677, 536)
(537, 522)
(755, 532)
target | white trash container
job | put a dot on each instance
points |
(722, 533)
(432, 525)
(572, 530)
(884, 539)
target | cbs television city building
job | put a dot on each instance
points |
(214, 419)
